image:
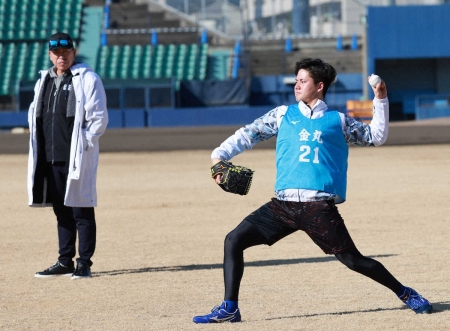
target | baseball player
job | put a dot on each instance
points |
(311, 162)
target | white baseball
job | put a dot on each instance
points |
(374, 80)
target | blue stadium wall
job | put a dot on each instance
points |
(266, 93)
(408, 47)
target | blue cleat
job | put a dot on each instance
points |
(219, 315)
(416, 302)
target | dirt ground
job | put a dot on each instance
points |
(161, 224)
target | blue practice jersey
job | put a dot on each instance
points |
(311, 153)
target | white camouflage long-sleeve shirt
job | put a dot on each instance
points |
(266, 126)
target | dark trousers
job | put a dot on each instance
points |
(71, 220)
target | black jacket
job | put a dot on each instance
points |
(55, 126)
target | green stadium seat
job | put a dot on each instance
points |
(44, 9)
(8, 56)
(33, 9)
(11, 23)
(33, 60)
(1, 56)
(65, 21)
(202, 62)
(191, 62)
(22, 23)
(76, 19)
(11, 9)
(180, 61)
(6, 68)
(124, 62)
(42, 29)
(157, 63)
(22, 8)
(169, 59)
(204, 49)
(102, 61)
(68, 6)
(19, 34)
(146, 64)
(113, 62)
(219, 65)
(201, 69)
(19, 66)
(30, 29)
(53, 26)
(135, 61)
(66, 24)
(44, 61)
(30, 34)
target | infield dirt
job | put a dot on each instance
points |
(161, 224)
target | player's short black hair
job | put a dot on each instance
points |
(319, 71)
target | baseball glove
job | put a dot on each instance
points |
(235, 179)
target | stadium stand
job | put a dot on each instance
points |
(219, 63)
(129, 57)
(28, 20)
(25, 26)
(183, 62)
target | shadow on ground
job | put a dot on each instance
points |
(193, 267)
(437, 308)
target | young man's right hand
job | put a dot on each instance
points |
(379, 90)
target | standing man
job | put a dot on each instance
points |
(66, 118)
(311, 161)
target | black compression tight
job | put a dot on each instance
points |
(246, 235)
(368, 267)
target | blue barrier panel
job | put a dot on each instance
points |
(13, 119)
(135, 118)
(115, 119)
(20, 119)
(432, 106)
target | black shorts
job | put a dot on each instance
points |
(320, 220)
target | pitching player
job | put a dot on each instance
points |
(311, 161)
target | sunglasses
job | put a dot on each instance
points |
(61, 42)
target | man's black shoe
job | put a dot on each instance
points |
(55, 270)
(82, 271)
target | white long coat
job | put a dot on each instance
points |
(91, 119)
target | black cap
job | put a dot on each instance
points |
(60, 40)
